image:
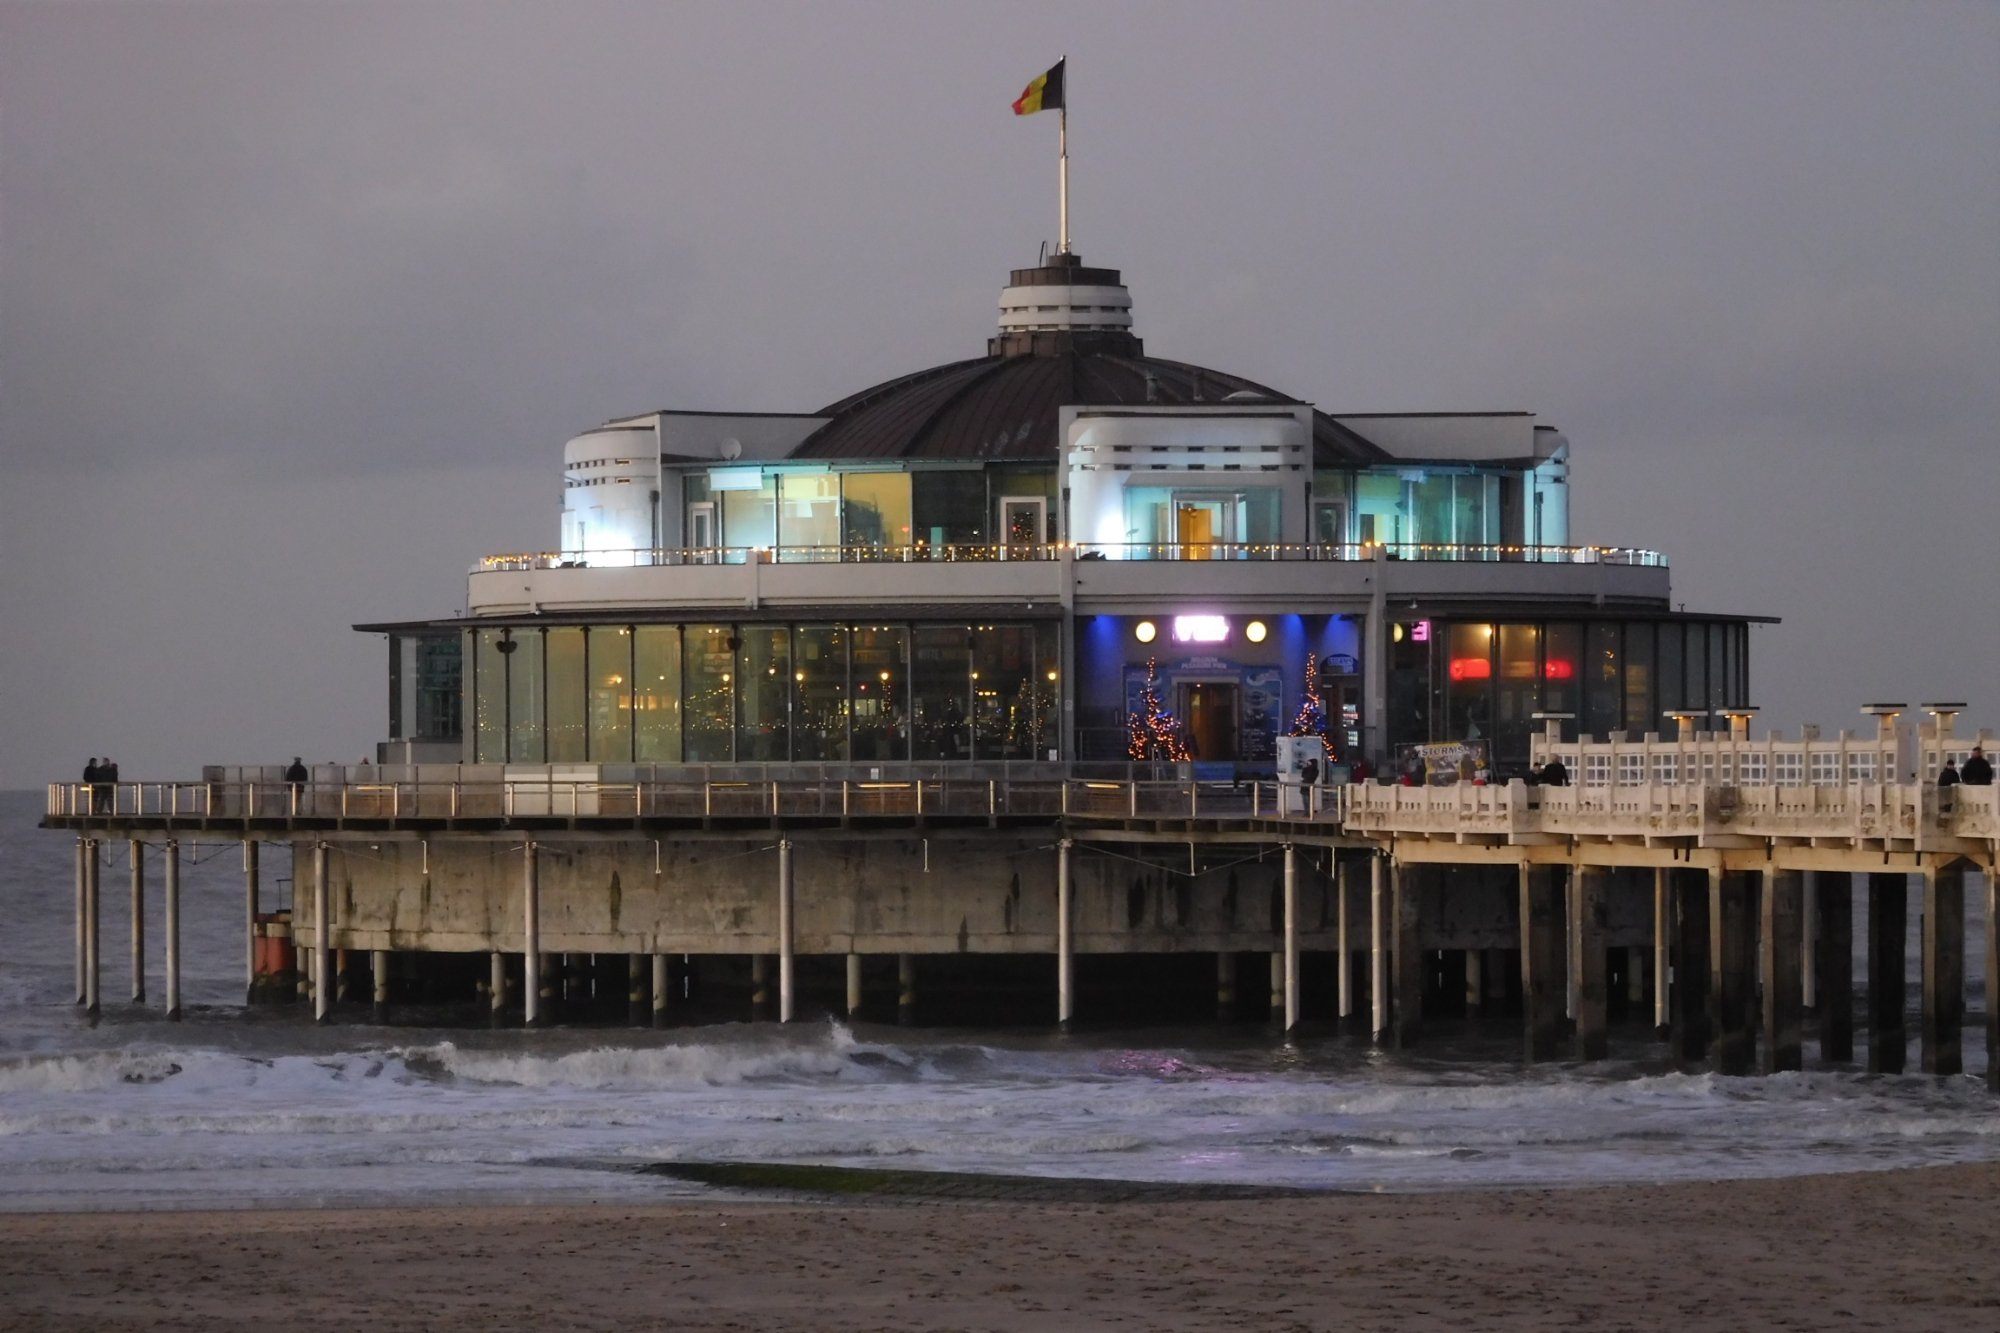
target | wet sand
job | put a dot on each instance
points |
(1892, 1250)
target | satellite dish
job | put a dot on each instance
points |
(732, 448)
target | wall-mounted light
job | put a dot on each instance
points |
(1145, 631)
(1255, 631)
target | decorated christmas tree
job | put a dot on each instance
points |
(1311, 719)
(1151, 731)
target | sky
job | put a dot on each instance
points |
(300, 299)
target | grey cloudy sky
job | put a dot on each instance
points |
(298, 301)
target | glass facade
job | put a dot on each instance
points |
(765, 693)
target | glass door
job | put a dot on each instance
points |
(1022, 530)
(701, 532)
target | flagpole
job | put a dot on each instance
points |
(1062, 144)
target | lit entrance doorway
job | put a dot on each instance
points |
(1208, 713)
(1199, 524)
(1021, 526)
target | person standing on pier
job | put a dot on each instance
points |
(1555, 773)
(296, 775)
(104, 796)
(1978, 771)
(1948, 775)
(91, 773)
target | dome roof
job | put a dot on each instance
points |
(1065, 340)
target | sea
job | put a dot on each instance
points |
(242, 1108)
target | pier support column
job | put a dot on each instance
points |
(637, 1009)
(1225, 987)
(1475, 982)
(1832, 908)
(853, 987)
(1732, 923)
(1291, 937)
(250, 859)
(1587, 961)
(1408, 962)
(1343, 874)
(906, 989)
(1690, 1036)
(531, 935)
(172, 913)
(138, 850)
(760, 987)
(660, 990)
(1378, 951)
(1944, 969)
(322, 982)
(787, 961)
(1065, 938)
(1783, 942)
(378, 977)
(82, 959)
(1277, 980)
(1542, 954)
(1888, 934)
(1663, 934)
(93, 939)
(496, 987)
(1809, 948)
(1992, 978)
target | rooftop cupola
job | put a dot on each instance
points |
(1064, 306)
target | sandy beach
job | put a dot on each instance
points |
(1893, 1250)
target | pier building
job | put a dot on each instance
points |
(990, 691)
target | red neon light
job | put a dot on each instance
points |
(1471, 668)
(1557, 669)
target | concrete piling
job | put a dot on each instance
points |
(322, 967)
(496, 987)
(1408, 962)
(660, 990)
(93, 970)
(531, 935)
(172, 913)
(1888, 931)
(1542, 953)
(138, 850)
(378, 976)
(853, 987)
(906, 989)
(1944, 970)
(1378, 950)
(1992, 979)
(638, 1012)
(787, 963)
(82, 961)
(1587, 961)
(250, 872)
(1782, 939)
(1690, 1032)
(1065, 939)
(1832, 909)
(1732, 960)
(1663, 934)
(1344, 970)
(760, 987)
(1291, 937)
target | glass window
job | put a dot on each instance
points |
(1429, 500)
(1672, 684)
(763, 694)
(524, 697)
(1048, 688)
(880, 705)
(1639, 714)
(1378, 508)
(1563, 670)
(489, 703)
(1257, 516)
(656, 693)
(1149, 518)
(819, 706)
(610, 694)
(1006, 684)
(948, 508)
(876, 509)
(1475, 509)
(568, 738)
(1030, 481)
(1603, 686)
(1697, 668)
(750, 518)
(708, 661)
(1469, 682)
(1518, 693)
(808, 516)
(940, 670)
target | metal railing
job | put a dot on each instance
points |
(987, 552)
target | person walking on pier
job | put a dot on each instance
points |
(1978, 771)
(296, 775)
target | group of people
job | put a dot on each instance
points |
(101, 777)
(1978, 771)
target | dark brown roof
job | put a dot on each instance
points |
(1001, 407)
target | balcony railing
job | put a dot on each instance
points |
(986, 552)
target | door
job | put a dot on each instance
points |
(701, 532)
(1208, 710)
(1330, 524)
(1022, 533)
(1203, 524)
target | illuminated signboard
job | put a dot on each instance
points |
(1420, 632)
(1201, 629)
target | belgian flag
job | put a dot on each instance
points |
(1043, 93)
